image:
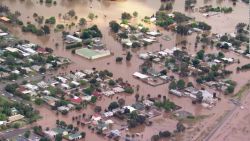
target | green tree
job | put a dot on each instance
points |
(172, 85)
(82, 21)
(200, 54)
(91, 16)
(115, 27)
(113, 105)
(180, 84)
(93, 99)
(27, 134)
(58, 137)
(129, 56)
(126, 16)
(135, 14)
(38, 101)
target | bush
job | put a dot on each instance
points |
(126, 16)
(91, 32)
(114, 26)
(129, 90)
(51, 20)
(118, 59)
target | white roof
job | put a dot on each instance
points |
(70, 37)
(88, 71)
(148, 40)
(171, 15)
(31, 87)
(109, 121)
(11, 49)
(3, 34)
(108, 114)
(80, 74)
(140, 75)
(131, 109)
(42, 84)
(144, 56)
(28, 45)
(16, 71)
(75, 83)
(108, 93)
(228, 59)
(217, 61)
(153, 33)
(118, 89)
(152, 19)
(86, 98)
(62, 79)
(65, 85)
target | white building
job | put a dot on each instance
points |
(71, 39)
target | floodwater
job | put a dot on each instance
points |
(221, 23)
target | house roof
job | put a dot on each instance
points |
(76, 100)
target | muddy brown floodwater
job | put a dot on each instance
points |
(221, 23)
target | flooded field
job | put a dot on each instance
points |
(222, 23)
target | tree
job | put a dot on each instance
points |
(180, 127)
(83, 134)
(221, 55)
(98, 109)
(121, 102)
(180, 84)
(230, 89)
(195, 62)
(126, 16)
(72, 13)
(42, 70)
(128, 56)
(135, 14)
(137, 97)
(38, 101)
(199, 97)
(172, 85)
(27, 134)
(155, 138)
(118, 59)
(113, 105)
(16, 125)
(200, 54)
(58, 137)
(182, 29)
(46, 29)
(112, 82)
(82, 21)
(165, 134)
(190, 84)
(44, 139)
(129, 90)
(115, 27)
(91, 16)
(93, 99)
(51, 20)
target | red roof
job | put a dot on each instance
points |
(97, 94)
(76, 100)
(41, 50)
(21, 89)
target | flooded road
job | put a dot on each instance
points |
(221, 23)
